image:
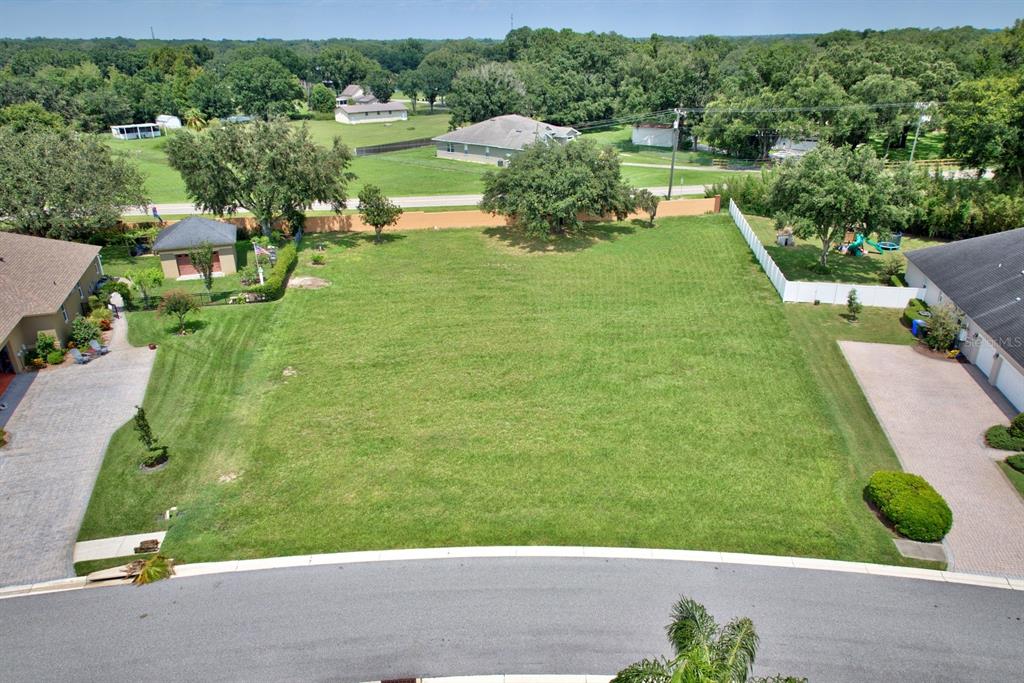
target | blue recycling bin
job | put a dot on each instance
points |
(917, 327)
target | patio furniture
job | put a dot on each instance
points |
(98, 348)
(79, 358)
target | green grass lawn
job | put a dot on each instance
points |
(644, 387)
(163, 183)
(367, 134)
(801, 262)
(929, 146)
(1016, 478)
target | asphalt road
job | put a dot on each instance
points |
(417, 202)
(370, 621)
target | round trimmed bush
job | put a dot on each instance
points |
(1016, 462)
(1002, 438)
(55, 357)
(1017, 426)
(915, 509)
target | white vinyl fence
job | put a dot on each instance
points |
(825, 292)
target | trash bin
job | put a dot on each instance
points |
(917, 327)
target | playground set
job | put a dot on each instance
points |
(854, 244)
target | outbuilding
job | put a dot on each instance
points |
(134, 131)
(174, 243)
(984, 278)
(379, 112)
(168, 121)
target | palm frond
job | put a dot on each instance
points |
(645, 671)
(736, 648)
(691, 626)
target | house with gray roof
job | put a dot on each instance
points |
(497, 140)
(44, 285)
(174, 243)
(984, 278)
(375, 112)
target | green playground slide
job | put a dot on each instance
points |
(857, 246)
(876, 246)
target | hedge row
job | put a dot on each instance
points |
(913, 310)
(911, 504)
(274, 285)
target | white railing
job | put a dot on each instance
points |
(797, 291)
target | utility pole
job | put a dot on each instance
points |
(921, 118)
(675, 145)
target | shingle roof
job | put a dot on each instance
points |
(376, 106)
(193, 231)
(507, 132)
(983, 277)
(350, 90)
(37, 274)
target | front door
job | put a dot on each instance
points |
(185, 266)
(216, 262)
(6, 365)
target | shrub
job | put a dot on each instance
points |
(1014, 461)
(1017, 426)
(853, 305)
(101, 314)
(45, 344)
(915, 509)
(913, 311)
(55, 357)
(319, 259)
(892, 268)
(83, 330)
(274, 284)
(178, 303)
(943, 327)
(155, 568)
(1001, 438)
(3, 436)
(748, 190)
(116, 286)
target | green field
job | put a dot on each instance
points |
(929, 146)
(640, 387)
(407, 173)
(801, 262)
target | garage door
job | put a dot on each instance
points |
(185, 266)
(1011, 383)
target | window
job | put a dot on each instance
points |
(465, 149)
(449, 147)
(487, 151)
(64, 312)
(81, 295)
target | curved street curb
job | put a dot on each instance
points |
(577, 552)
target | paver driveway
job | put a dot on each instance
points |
(59, 432)
(935, 413)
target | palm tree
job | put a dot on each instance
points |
(194, 118)
(704, 651)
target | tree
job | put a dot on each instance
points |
(342, 66)
(145, 280)
(381, 83)
(29, 116)
(63, 184)
(943, 328)
(179, 303)
(853, 305)
(703, 650)
(436, 72)
(409, 84)
(548, 186)
(201, 257)
(486, 91)
(272, 170)
(321, 98)
(985, 126)
(261, 86)
(832, 190)
(377, 210)
(647, 201)
(194, 119)
(156, 453)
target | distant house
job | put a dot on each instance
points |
(653, 134)
(134, 131)
(168, 121)
(46, 285)
(355, 94)
(174, 242)
(787, 148)
(497, 140)
(371, 113)
(984, 278)
(237, 118)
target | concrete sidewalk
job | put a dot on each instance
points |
(935, 412)
(118, 546)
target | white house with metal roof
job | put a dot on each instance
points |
(984, 278)
(377, 112)
(497, 140)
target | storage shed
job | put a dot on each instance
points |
(174, 242)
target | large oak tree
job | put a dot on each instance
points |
(268, 168)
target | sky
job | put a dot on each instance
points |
(385, 19)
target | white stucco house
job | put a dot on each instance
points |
(984, 278)
(377, 112)
(497, 140)
(168, 121)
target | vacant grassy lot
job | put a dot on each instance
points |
(367, 134)
(643, 388)
(163, 183)
(929, 146)
(801, 262)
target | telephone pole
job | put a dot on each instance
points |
(675, 145)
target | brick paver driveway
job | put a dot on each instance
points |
(935, 413)
(59, 432)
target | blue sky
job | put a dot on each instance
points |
(247, 19)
